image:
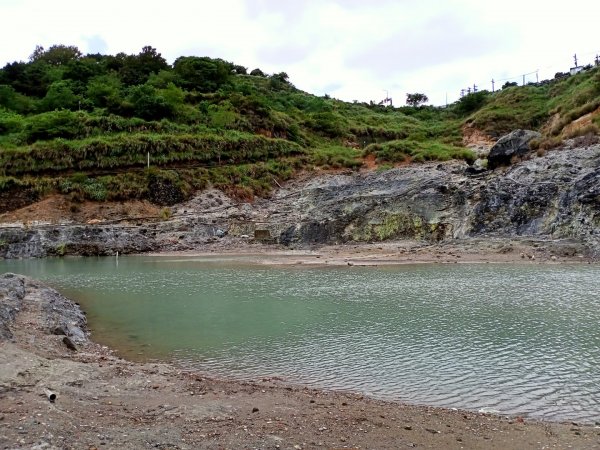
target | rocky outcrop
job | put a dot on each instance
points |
(553, 197)
(54, 313)
(105, 239)
(513, 145)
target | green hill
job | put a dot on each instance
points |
(85, 125)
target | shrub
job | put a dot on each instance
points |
(472, 102)
(56, 124)
(60, 95)
(328, 123)
(10, 122)
(149, 103)
(165, 213)
(590, 129)
(94, 189)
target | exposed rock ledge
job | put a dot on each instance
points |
(551, 198)
(105, 402)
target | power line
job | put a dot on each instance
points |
(523, 77)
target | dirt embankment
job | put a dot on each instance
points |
(106, 402)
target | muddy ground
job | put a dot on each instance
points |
(106, 402)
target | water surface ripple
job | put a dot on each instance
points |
(517, 339)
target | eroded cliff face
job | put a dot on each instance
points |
(556, 196)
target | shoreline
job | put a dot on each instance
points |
(110, 402)
(407, 252)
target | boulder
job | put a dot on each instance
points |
(513, 144)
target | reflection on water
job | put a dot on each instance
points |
(518, 339)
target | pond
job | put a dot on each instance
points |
(517, 339)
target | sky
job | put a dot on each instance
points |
(349, 49)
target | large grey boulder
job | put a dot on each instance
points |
(513, 144)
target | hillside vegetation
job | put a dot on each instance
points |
(86, 125)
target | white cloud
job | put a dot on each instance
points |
(350, 49)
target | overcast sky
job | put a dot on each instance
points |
(349, 49)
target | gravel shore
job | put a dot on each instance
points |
(103, 401)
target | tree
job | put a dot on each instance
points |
(82, 69)
(56, 55)
(136, 69)
(60, 95)
(104, 90)
(202, 74)
(416, 99)
(26, 78)
(154, 104)
(279, 81)
(258, 73)
(281, 76)
(12, 100)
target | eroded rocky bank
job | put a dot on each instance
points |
(103, 401)
(553, 200)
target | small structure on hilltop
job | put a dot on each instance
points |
(577, 68)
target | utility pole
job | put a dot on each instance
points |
(523, 79)
(597, 61)
(493, 87)
(575, 56)
(474, 88)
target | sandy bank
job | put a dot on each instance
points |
(489, 250)
(106, 402)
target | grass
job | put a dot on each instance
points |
(255, 132)
(124, 151)
(418, 151)
(532, 106)
(336, 157)
(515, 107)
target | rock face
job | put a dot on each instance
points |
(104, 240)
(554, 197)
(22, 295)
(515, 144)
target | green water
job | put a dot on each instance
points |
(519, 339)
